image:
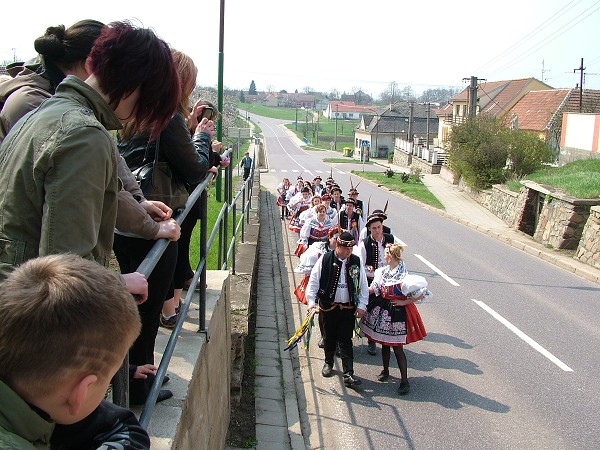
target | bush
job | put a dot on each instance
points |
(415, 173)
(405, 177)
(389, 173)
(484, 152)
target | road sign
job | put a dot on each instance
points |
(235, 132)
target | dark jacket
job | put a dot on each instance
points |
(58, 179)
(186, 156)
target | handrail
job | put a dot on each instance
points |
(120, 382)
(199, 278)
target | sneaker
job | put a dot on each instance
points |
(404, 387)
(321, 344)
(168, 322)
(178, 308)
(383, 375)
(327, 370)
(351, 381)
(371, 348)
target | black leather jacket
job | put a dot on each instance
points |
(187, 156)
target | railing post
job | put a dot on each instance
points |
(203, 254)
(234, 221)
(243, 211)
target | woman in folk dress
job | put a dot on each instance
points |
(392, 319)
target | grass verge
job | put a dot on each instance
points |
(413, 189)
(580, 179)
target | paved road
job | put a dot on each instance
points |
(511, 359)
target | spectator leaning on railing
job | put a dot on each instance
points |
(63, 52)
(65, 197)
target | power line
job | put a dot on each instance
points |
(548, 39)
(528, 36)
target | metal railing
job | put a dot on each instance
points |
(225, 253)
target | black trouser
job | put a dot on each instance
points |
(130, 252)
(183, 271)
(338, 327)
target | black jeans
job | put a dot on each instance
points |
(130, 252)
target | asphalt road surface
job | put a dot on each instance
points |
(511, 359)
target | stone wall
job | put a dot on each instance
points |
(589, 246)
(402, 159)
(561, 219)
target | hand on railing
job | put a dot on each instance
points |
(157, 210)
(168, 229)
(137, 285)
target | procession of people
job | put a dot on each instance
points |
(353, 275)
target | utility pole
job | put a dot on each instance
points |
(581, 69)
(428, 114)
(411, 110)
(220, 90)
(337, 107)
(472, 96)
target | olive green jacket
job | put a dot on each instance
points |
(58, 179)
(20, 426)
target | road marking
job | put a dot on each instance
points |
(318, 171)
(523, 336)
(295, 170)
(343, 173)
(438, 271)
(273, 170)
(284, 170)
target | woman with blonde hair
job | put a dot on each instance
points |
(392, 319)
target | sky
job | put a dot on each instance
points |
(348, 44)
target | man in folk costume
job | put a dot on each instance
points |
(350, 220)
(310, 257)
(360, 209)
(371, 252)
(364, 232)
(337, 201)
(318, 188)
(339, 285)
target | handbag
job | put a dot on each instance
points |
(157, 182)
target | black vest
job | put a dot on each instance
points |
(330, 276)
(372, 249)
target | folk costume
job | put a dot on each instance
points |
(352, 223)
(313, 231)
(371, 251)
(340, 288)
(307, 262)
(388, 324)
(296, 206)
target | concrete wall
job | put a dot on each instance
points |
(197, 417)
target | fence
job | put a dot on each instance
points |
(225, 253)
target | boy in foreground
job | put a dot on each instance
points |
(66, 324)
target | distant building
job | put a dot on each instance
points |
(346, 110)
(378, 131)
(494, 98)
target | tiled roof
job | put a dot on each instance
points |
(537, 109)
(495, 96)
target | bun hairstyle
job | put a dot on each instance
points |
(395, 250)
(63, 48)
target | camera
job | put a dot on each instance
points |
(208, 112)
